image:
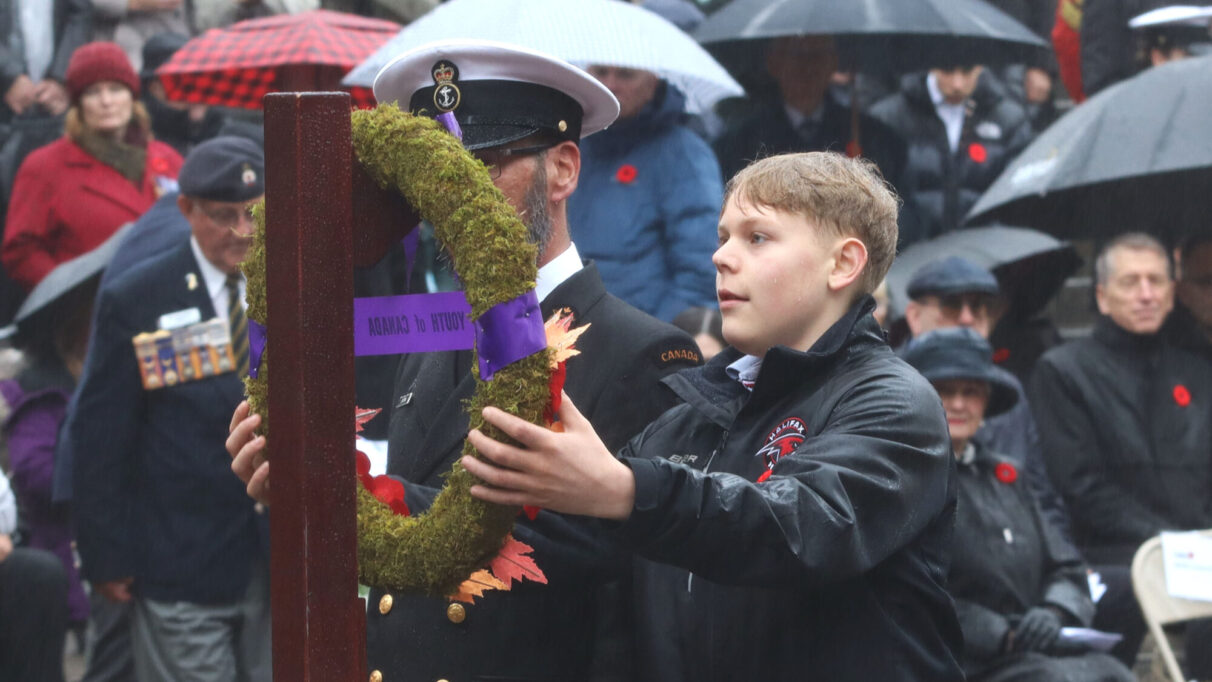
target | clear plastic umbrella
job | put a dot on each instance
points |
(582, 32)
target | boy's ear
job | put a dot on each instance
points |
(849, 260)
(563, 169)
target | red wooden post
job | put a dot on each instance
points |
(318, 619)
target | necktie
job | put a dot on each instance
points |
(238, 324)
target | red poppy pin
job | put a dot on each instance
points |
(977, 152)
(1181, 395)
(625, 174)
(1001, 355)
(160, 165)
(1005, 472)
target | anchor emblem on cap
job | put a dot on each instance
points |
(446, 95)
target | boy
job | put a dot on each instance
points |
(793, 512)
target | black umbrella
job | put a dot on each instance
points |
(880, 35)
(1136, 156)
(64, 278)
(1030, 266)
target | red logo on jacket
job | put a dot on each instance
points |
(780, 442)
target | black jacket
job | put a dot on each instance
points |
(939, 186)
(833, 568)
(1126, 425)
(1005, 559)
(533, 632)
(1109, 50)
(72, 27)
(766, 131)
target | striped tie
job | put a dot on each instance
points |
(238, 324)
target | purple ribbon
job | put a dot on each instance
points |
(256, 346)
(415, 323)
(426, 323)
(508, 332)
(411, 241)
(451, 124)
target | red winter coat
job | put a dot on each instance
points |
(65, 202)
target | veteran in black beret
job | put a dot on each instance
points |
(1016, 582)
(163, 526)
(522, 114)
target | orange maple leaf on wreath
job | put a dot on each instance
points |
(480, 582)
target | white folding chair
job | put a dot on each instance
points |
(1156, 604)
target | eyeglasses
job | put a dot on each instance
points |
(495, 157)
(228, 216)
(954, 304)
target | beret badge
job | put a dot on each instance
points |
(446, 95)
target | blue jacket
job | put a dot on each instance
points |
(646, 209)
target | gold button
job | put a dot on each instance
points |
(376, 676)
(385, 604)
(455, 613)
(562, 125)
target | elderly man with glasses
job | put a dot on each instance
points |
(162, 524)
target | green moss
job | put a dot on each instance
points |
(433, 553)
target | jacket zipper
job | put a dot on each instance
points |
(706, 467)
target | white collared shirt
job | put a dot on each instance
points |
(556, 271)
(952, 115)
(215, 281)
(745, 370)
(797, 118)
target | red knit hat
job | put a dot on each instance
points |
(96, 62)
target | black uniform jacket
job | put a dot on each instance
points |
(532, 632)
(1126, 424)
(832, 568)
(1006, 559)
(153, 491)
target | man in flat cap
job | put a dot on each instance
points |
(955, 292)
(161, 523)
(521, 113)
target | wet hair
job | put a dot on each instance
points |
(847, 197)
(1135, 241)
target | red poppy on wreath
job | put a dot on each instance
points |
(625, 174)
(977, 152)
(1001, 355)
(1005, 472)
(1181, 395)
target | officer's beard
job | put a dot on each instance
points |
(534, 209)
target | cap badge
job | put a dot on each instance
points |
(446, 95)
(248, 176)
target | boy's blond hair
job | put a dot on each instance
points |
(848, 197)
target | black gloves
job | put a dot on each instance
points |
(1037, 630)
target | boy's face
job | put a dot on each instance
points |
(772, 272)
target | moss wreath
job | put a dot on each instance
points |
(433, 553)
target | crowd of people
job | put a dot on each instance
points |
(750, 480)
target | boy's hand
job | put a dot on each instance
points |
(247, 461)
(571, 472)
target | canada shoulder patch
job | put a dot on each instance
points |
(678, 355)
(782, 441)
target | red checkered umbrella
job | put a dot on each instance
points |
(237, 65)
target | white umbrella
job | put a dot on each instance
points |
(582, 32)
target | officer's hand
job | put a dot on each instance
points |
(6, 546)
(247, 453)
(1038, 629)
(117, 591)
